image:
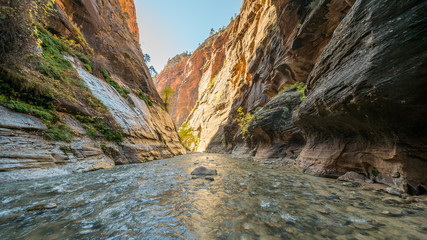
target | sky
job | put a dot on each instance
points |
(170, 27)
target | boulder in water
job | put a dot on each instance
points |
(204, 171)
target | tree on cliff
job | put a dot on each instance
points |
(212, 32)
(153, 71)
(167, 93)
(147, 58)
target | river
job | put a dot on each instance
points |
(160, 200)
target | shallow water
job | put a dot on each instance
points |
(159, 200)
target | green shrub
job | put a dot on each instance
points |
(88, 67)
(123, 92)
(94, 126)
(53, 64)
(188, 139)
(244, 120)
(143, 97)
(47, 116)
(105, 73)
(59, 133)
(166, 95)
(313, 4)
(300, 87)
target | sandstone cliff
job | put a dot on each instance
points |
(87, 100)
(358, 66)
(366, 103)
(189, 76)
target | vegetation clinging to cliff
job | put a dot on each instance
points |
(45, 83)
(166, 94)
(244, 119)
(122, 91)
(188, 139)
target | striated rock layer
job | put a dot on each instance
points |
(364, 66)
(366, 106)
(110, 29)
(269, 45)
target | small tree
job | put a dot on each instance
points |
(188, 139)
(167, 93)
(212, 32)
(153, 71)
(147, 58)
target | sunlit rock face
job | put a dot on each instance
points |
(111, 30)
(362, 62)
(149, 133)
(189, 76)
(173, 76)
(269, 45)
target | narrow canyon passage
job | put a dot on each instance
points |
(160, 200)
(295, 119)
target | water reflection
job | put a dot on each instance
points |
(160, 200)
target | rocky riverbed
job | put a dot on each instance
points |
(245, 200)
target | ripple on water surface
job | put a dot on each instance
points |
(160, 200)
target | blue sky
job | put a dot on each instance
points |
(170, 27)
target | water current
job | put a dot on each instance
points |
(160, 200)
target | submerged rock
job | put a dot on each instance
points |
(42, 207)
(204, 171)
(352, 177)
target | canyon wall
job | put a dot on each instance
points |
(366, 106)
(329, 86)
(100, 111)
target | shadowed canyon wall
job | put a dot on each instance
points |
(351, 81)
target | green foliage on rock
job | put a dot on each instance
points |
(143, 97)
(122, 91)
(46, 115)
(300, 87)
(244, 119)
(59, 132)
(313, 4)
(166, 94)
(188, 139)
(95, 127)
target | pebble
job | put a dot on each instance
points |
(333, 196)
(363, 226)
(351, 184)
(391, 200)
(323, 211)
(393, 191)
(210, 178)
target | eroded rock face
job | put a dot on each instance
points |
(173, 76)
(25, 154)
(366, 103)
(271, 133)
(365, 79)
(190, 76)
(110, 29)
(269, 45)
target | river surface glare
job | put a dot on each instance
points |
(160, 200)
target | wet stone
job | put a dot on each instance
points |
(393, 200)
(334, 196)
(42, 207)
(204, 171)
